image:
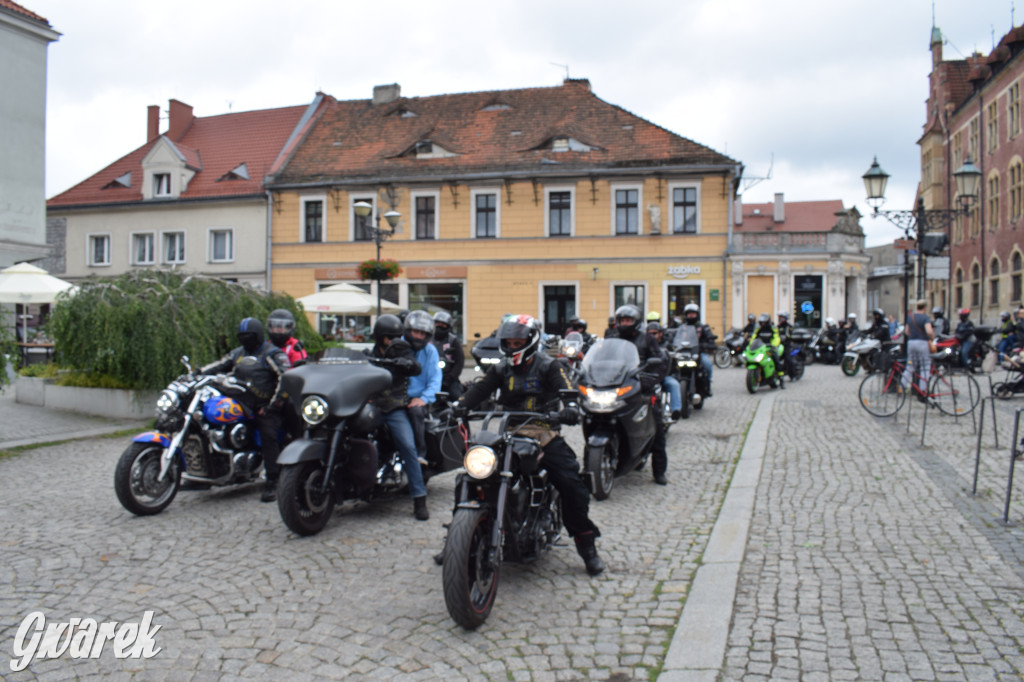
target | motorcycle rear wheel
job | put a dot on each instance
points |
(686, 388)
(469, 577)
(1002, 390)
(135, 480)
(304, 509)
(600, 464)
(797, 368)
(753, 379)
(723, 358)
(850, 366)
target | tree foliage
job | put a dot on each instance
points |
(135, 327)
(8, 351)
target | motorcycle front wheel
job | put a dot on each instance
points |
(723, 358)
(303, 507)
(797, 368)
(850, 366)
(469, 576)
(753, 379)
(135, 480)
(686, 388)
(601, 463)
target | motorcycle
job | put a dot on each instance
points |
(204, 436)
(685, 366)
(345, 453)
(730, 353)
(506, 510)
(761, 370)
(803, 336)
(823, 348)
(486, 352)
(1013, 383)
(618, 419)
(570, 352)
(861, 351)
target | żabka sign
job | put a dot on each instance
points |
(681, 271)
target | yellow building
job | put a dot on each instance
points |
(546, 201)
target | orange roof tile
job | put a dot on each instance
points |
(800, 216)
(15, 8)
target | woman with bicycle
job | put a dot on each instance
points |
(919, 335)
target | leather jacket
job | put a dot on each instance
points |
(261, 370)
(399, 359)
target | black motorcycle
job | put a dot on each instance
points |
(685, 366)
(618, 419)
(345, 452)
(824, 348)
(204, 436)
(730, 353)
(486, 352)
(506, 510)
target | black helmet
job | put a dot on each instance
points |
(577, 324)
(653, 327)
(280, 325)
(250, 334)
(419, 320)
(402, 314)
(764, 319)
(694, 309)
(519, 327)
(387, 326)
(627, 312)
(937, 310)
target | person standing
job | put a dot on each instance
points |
(919, 333)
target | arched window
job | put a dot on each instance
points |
(993, 202)
(975, 285)
(1015, 276)
(959, 291)
(1016, 190)
(993, 282)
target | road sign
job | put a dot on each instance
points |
(903, 244)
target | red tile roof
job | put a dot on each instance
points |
(15, 8)
(799, 216)
(213, 146)
(357, 139)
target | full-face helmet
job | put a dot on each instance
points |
(418, 320)
(691, 313)
(627, 320)
(250, 334)
(519, 327)
(387, 327)
(280, 325)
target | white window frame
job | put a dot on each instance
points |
(210, 232)
(614, 187)
(436, 194)
(672, 186)
(355, 197)
(699, 283)
(163, 247)
(133, 253)
(322, 198)
(158, 185)
(473, 194)
(90, 251)
(644, 284)
(571, 189)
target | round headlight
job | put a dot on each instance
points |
(314, 410)
(167, 401)
(480, 461)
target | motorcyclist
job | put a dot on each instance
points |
(705, 339)
(423, 387)
(785, 330)
(654, 316)
(449, 349)
(879, 328)
(280, 326)
(964, 333)
(1007, 328)
(769, 336)
(259, 364)
(655, 367)
(831, 336)
(847, 331)
(609, 332)
(748, 330)
(530, 381)
(579, 325)
(670, 383)
(939, 323)
(393, 353)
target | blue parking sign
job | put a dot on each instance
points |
(806, 307)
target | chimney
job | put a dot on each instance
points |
(385, 94)
(779, 214)
(181, 118)
(738, 212)
(583, 82)
(152, 122)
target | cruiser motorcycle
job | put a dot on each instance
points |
(618, 419)
(684, 365)
(506, 509)
(203, 436)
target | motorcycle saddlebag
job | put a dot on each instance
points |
(445, 445)
(362, 465)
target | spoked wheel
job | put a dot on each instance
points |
(601, 463)
(304, 508)
(686, 389)
(850, 366)
(955, 393)
(881, 394)
(797, 368)
(723, 358)
(1002, 390)
(753, 379)
(135, 479)
(470, 571)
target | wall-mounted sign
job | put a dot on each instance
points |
(682, 271)
(713, 295)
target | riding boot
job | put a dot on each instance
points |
(419, 508)
(269, 490)
(587, 550)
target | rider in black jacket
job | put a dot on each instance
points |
(449, 348)
(655, 366)
(529, 381)
(879, 328)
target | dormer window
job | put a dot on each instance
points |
(560, 144)
(496, 106)
(406, 113)
(121, 181)
(564, 143)
(426, 149)
(161, 184)
(239, 172)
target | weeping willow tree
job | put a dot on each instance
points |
(8, 351)
(134, 328)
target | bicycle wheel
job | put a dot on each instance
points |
(881, 394)
(954, 393)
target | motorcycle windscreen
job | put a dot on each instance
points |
(346, 386)
(610, 362)
(685, 338)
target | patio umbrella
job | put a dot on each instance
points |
(344, 299)
(27, 284)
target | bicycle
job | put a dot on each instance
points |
(882, 394)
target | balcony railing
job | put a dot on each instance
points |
(796, 242)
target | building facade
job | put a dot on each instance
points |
(546, 201)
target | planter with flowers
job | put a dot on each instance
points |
(379, 269)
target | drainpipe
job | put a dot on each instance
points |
(981, 205)
(726, 253)
(270, 230)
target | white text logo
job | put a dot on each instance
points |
(82, 638)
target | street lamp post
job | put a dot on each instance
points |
(917, 223)
(363, 210)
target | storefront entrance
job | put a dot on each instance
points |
(559, 308)
(807, 300)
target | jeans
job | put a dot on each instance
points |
(919, 361)
(675, 392)
(705, 362)
(401, 431)
(965, 351)
(1005, 347)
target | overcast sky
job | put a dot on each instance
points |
(807, 91)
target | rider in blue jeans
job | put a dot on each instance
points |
(670, 383)
(393, 353)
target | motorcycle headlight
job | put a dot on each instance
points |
(480, 461)
(603, 399)
(441, 364)
(314, 410)
(570, 351)
(489, 361)
(167, 401)
(759, 357)
(687, 363)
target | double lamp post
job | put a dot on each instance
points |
(363, 209)
(924, 227)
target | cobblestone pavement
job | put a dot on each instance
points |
(867, 559)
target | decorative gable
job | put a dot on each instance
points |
(165, 170)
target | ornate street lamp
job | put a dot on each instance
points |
(363, 210)
(917, 223)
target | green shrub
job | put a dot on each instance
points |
(46, 370)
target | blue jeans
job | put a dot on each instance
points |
(919, 363)
(965, 350)
(401, 431)
(1005, 347)
(675, 392)
(705, 362)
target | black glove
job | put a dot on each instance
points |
(570, 416)
(459, 410)
(648, 382)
